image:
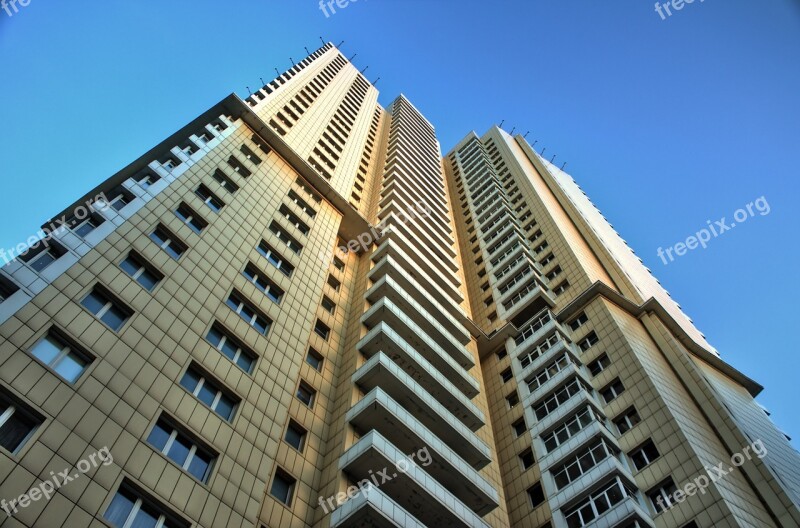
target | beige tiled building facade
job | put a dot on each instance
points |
(295, 312)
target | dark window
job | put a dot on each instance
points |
(246, 311)
(599, 365)
(176, 445)
(104, 307)
(315, 359)
(322, 330)
(17, 424)
(224, 181)
(209, 392)
(131, 508)
(209, 198)
(328, 304)
(263, 283)
(627, 420)
(238, 167)
(283, 486)
(662, 495)
(589, 341)
(578, 321)
(143, 273)
(295, 436)
(231, 348)
(196, 222)
(284, 237)
(526, 458)
(536, 494)
(249, 154)
(506, 375)
(334, 283)
(644, 455)
(512, 399)
(171, 244)
(612, 391)
(519, 427)
(7, 288)
(45, 253)
(306, 394)
(275, 258)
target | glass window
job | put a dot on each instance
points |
(209, 393)
(142, 273)
(17, 424)
(60, 357)
(182, 450)
(129, 509)
(107, 310)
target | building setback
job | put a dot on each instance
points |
(295, 312)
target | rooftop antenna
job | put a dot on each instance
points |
(526, 134)
(365, 69)
(542, 154)
(353, 57)
(551, 159)
(501, 123)
(249, 92)
(307, 52)
(321, 40)
(376, 81)
(512, 131)
(534, 143)
(277, 72)
(291, 59)
(563, 165)
(339, 45)
(262, 81)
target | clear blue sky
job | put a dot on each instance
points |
(665, 123)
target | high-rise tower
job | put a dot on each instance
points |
(294, 312)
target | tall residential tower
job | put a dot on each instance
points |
(295, 312)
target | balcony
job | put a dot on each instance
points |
(420, 245)
(377, 411)
(388, 288)
(570, 371)
(548, 460)
(402, 205)
(564, 410)
(396, 244)
(384, 339)
(525, 302)
(413, 489)
(385, 311)
(435, 302)
(370, 508)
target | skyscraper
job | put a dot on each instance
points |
(295, 312)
